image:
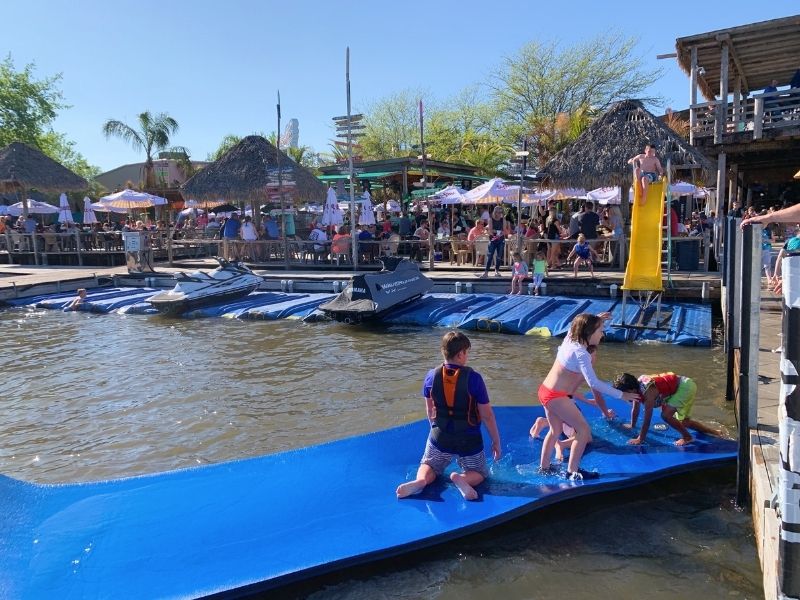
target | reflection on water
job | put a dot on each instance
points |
(92, 397)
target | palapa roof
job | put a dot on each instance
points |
(23, 167)
(599, 156)
(248, 171)
(757, 52)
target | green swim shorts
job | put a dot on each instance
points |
(683, 398)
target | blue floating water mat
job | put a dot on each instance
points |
(438, 310)
(58, 300)
(684, 324)
(253, 524)
(293, 306)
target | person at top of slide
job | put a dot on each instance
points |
(647, 171)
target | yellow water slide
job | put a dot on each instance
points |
(644, 263)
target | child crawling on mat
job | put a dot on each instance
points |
(540, 424)
(673, 393)
(456, 401)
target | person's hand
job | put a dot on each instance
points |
(497, 452)
(635, 441)
(631, 396)
(604, 315)
(752, 220)
(610, 414)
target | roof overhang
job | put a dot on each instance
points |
(758, 53)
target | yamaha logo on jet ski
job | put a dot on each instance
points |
(371, 295)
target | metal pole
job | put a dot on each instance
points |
(431, 222)
(789, 435)
(280, 186)
(743, 459)
(520, 237)
(353, 240)
(730, 269)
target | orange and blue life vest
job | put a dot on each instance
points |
(456, 426)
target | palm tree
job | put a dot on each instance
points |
(153, 134)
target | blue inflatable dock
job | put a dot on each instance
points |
(255, 524)
(681, 323)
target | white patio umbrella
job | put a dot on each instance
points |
(606, 195)
(332, 214)
(567, 193)
(493, 190)
(88, 212)
(367, 216)
(34, 208)
(682, 188)
(129, 199)
(97, 207)
(450, 195)
(64, 211)
(191, 211)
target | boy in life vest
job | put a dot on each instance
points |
(457, 402)
(673, 393)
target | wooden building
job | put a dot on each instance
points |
(753, 136)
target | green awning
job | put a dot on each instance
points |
(427, 192)
(376, 175)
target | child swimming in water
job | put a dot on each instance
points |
(673, 393)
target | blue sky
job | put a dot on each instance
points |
(216, 66)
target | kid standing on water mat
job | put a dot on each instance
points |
(572, 366)
(673, 393)
(540, 424)
(648, 171)
(456, 401)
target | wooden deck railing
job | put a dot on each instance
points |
(762, 112)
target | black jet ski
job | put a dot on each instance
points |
(229, 281)
(370, 295)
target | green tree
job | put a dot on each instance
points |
(392, 125)
(153, 134)
(28, 105)
(228, 142)
(544, 81)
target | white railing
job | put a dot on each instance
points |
(760, 113)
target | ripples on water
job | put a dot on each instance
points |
(92, 397)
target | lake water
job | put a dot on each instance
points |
(90, 397)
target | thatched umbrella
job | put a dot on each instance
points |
(248, 171)
(599, 156)
(23, 167)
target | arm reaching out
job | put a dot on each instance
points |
(487, 416)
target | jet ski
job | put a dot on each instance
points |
(229, 281)
(370, 295)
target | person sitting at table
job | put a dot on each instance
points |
(444, 229)
(478, 230)
(386, 227)
(423, 236)
(318, 236)
(366, 247)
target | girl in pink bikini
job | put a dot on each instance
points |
(572, 366)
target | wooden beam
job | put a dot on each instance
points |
(722, 105)
(692, 94)
(726, 38)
